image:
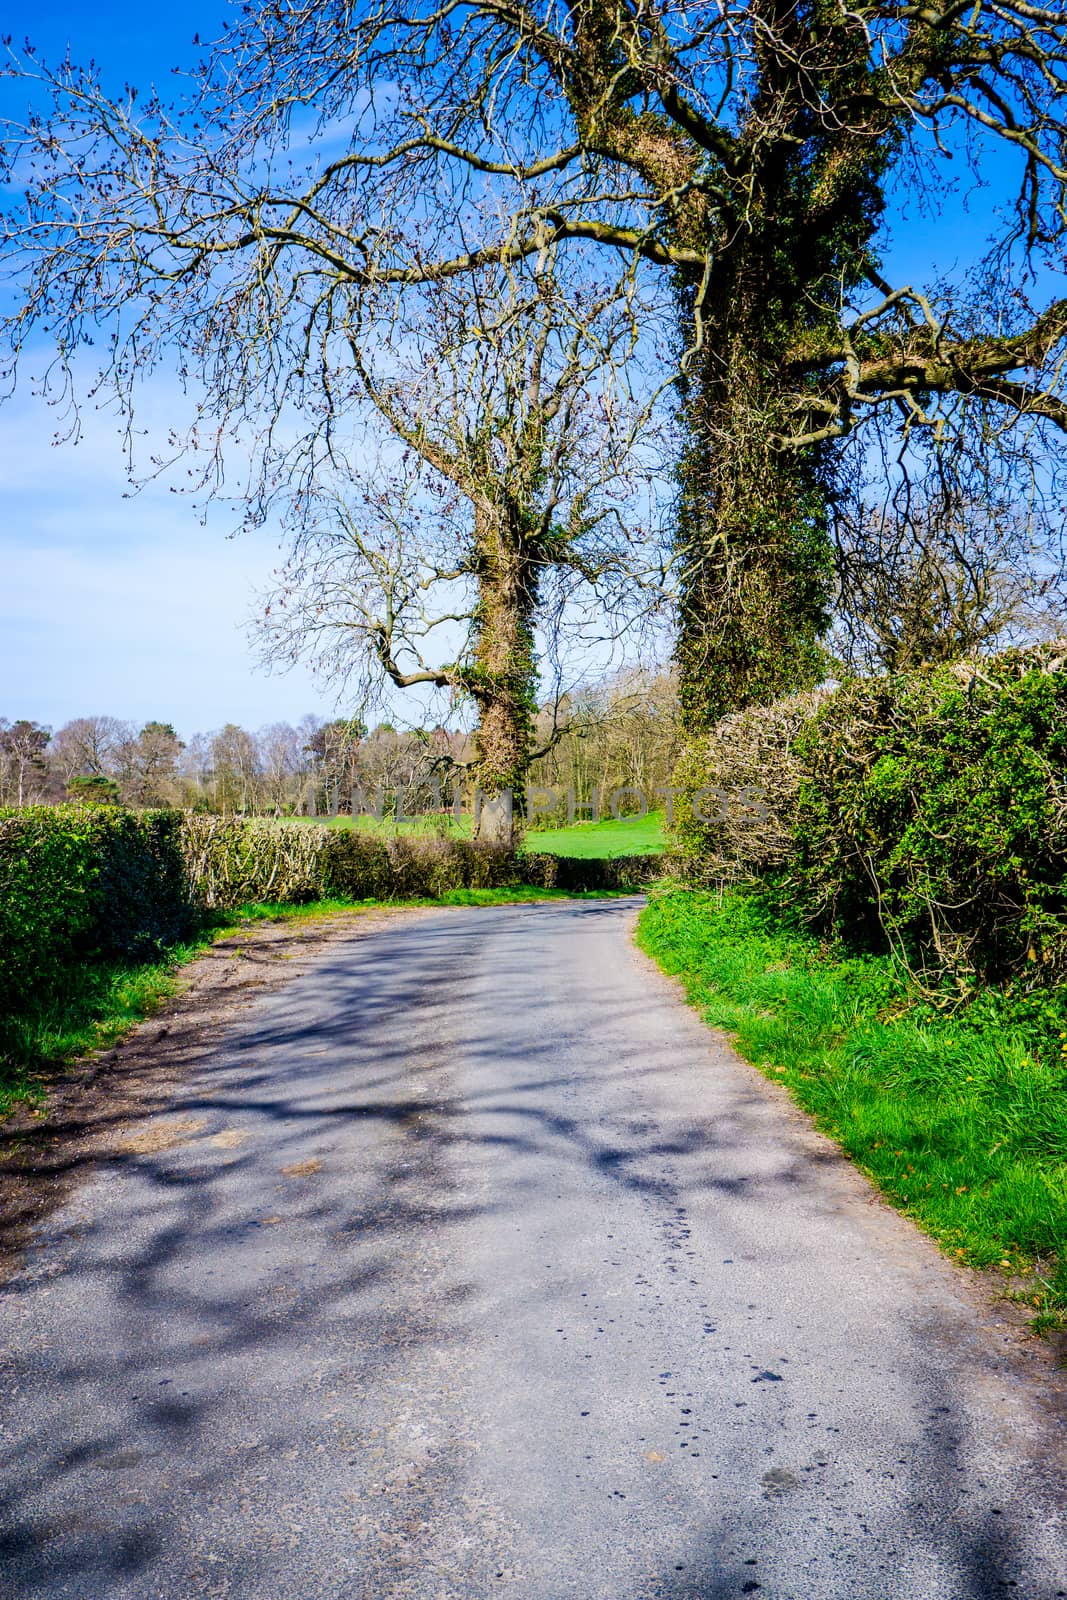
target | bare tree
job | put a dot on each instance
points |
(950, 549)
(510, 404)
(23, 768)
(90, 746)
(622, 732)
(283, 762)
(742, 151)
(235, 769)
(941, 583)
(335, 749)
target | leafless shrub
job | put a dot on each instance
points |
(740, 785)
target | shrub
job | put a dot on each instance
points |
(933, 815)
(412, 866)
(82, 882)
(229, 861)
(740, 785)
(92, 788)
(591, 874)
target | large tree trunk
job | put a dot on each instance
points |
(503, 680)
(751, 531)
(795, 237)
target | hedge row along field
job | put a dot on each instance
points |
(84, 883)
(87, 893)
(924, 813)
(229, 861)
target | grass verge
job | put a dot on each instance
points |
(102, 1001)
(959, 1117)
(97, 1004)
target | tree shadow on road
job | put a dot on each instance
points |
(234, 1359)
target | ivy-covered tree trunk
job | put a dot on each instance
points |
(784, 245)
(503, 676)
(756, 559)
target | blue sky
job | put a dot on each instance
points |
(129, 606)
(111, 603)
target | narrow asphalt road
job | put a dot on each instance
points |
(471, 1264)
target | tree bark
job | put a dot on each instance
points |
(751, 531)
(504, 673)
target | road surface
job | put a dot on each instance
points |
(471, 1264)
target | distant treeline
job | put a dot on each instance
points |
(622, 731)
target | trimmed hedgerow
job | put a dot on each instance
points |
(231, 861)
(79, 883)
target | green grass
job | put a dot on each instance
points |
(434, 823)
(514, 894)
(629, 836)
(959, 1116)
(101, 1001)
(98, 1004)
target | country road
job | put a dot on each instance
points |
(471, 1264)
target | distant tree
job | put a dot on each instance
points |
(397, 767)
(148, 766)
(89, 745)
(334, 748)
(194, 772)
(282, 765)
(234, 769)
(621, 732)
(23, 768)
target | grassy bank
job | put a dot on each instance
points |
(959, 1116)
(101, 1001)
(97, 1003)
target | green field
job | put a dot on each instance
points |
(630, 836)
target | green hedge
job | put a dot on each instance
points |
(593, 874)
(933, 816)
(80, 883)
(85, 883)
